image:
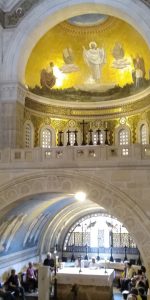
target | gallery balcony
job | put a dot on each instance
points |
(76, 156)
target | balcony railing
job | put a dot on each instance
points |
(116, 250)
(74, 156)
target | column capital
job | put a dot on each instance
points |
(12, 91)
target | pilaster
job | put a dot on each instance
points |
(12, 96)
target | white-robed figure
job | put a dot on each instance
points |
(93, 264)
(94, 57)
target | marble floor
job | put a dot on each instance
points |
(116, 295)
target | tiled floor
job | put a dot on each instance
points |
(117, 294)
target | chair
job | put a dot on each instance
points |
(118, 260)
(133, 261)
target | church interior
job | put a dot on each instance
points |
(75, 146)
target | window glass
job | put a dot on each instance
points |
(46, 138)
(28, 136)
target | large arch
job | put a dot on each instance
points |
(47, 14)
(102, 192)
(56, 233)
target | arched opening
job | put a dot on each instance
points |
(102, 236)
(98, 191)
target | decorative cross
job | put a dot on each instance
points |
(68, 133)
(83, 132)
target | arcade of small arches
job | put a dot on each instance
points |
(48, 137)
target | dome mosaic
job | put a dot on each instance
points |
(89, 58)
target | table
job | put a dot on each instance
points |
(91, 284)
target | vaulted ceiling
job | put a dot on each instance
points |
(27, 221)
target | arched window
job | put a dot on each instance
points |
(94, 230)
(124, 140)
(143, 134)
(95, 138)
(123, 137)
(28, 135)
(72, 138)
(46, 138)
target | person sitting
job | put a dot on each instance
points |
(141, 283)
(142, 293)
(13, 284)
(132, 297)
(134, 294)
(144, 277)
(49, 261)
(6, 295)
(31, 278)
(132, 283)
(129, 272)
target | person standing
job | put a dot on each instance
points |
(32, 282)
(49, 261)
(94, 57)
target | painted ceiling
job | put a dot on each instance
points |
(65, 49)
(26, 222)
(88, 20)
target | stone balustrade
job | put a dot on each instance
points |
(80, 156)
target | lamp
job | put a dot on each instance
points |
(81, 196)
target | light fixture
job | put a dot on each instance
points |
(81, 196)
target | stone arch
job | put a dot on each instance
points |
(47, 14)
(101, 192)
(54, 235)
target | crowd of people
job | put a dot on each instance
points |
(16, 285)
(134, 286)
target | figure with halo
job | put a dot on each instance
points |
(94, 57)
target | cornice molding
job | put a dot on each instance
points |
(146, 2)
(112, 109)
(11, 18)
(11, 92)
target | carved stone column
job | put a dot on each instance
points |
(12, 97)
